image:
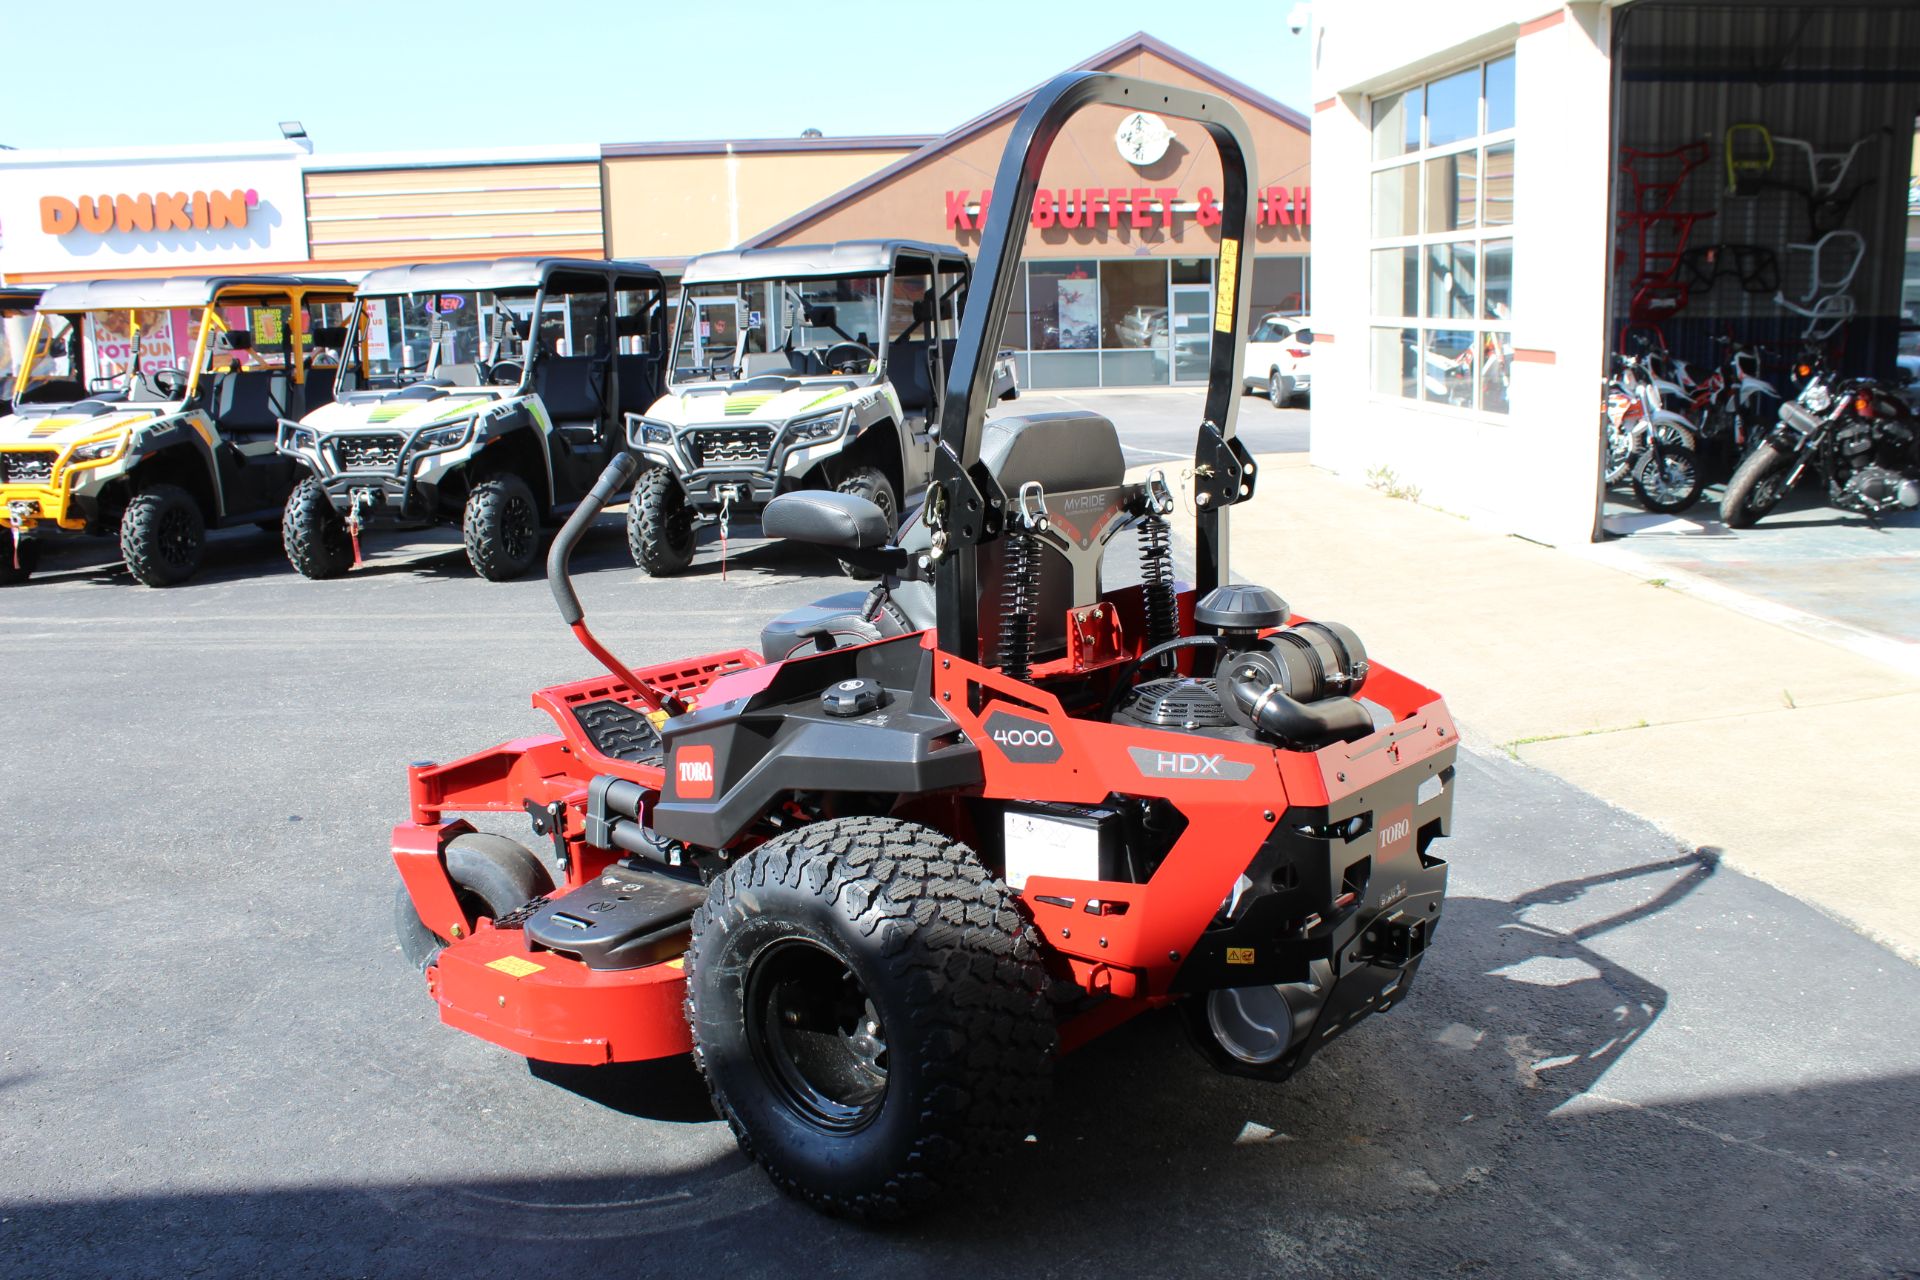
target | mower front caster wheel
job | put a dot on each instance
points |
(491, 876)
(868, 1010)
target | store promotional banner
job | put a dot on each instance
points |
(106, 212)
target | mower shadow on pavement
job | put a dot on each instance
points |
(1476, 1132)
(669, 1089)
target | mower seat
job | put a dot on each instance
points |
(1067, 453)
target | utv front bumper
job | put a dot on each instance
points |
(737, 467)
(35, 489)
(366, 476)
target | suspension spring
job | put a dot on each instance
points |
(1019, 597)
(1156, 579)
(1020, 585)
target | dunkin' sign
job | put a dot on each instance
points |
(168, 211)
(94, 214)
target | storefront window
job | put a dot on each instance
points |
(1500, 94)
(1431, 258)
(1396, 124)
(1453, 191)
(1064, 302)
(1280, 284)
(1498, 280)
(1396, 201)
(1131, 321)
(1453, 108)
(1134, 323)
(1396, 354)
(1396, 281)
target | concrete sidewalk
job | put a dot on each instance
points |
(1788, 755)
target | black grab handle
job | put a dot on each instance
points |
(618, 475)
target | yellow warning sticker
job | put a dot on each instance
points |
(1223, 296)
(1239, 955)
(515, 966)
(678, 962)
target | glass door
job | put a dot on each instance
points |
(1192, 331)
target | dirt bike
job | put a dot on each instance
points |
(1646, 443)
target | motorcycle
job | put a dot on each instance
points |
(1647, 443)
(1859, 436)
(1733, 403)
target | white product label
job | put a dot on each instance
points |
(1042, 846)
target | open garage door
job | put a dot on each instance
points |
(1763, 227)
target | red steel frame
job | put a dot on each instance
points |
(546, 1006)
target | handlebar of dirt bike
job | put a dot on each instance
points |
(618, 476)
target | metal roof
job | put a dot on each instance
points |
(493, 274)
(801, 261)
(173, 291)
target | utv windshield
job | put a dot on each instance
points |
(795, 328)
(470, 338)
(90, 355)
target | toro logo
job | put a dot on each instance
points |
(1395, 832)
(693, 773)
(1023, 741)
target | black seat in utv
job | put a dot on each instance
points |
(1067, 452)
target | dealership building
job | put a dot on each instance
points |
(1528, 188)
(1117, 290)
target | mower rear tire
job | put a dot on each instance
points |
(313, 533)
(872, 484)
(491, 876)
(163, 536)
(660, 524)
(868, 1010)
(502, 527)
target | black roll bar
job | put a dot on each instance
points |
(969, 507)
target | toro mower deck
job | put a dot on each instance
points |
(878, 874)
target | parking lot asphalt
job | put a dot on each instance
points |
(1621, 1059)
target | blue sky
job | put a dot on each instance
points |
(477, 73)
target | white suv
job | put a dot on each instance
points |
(1279, 358)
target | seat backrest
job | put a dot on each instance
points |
(318, 388)
(1069, 453)
(907, 371)
(569, 386)
(249, 402)
(639, 382)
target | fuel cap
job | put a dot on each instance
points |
(851, 698)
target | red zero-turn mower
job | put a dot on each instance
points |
(878, 875)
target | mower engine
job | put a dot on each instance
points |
(1292, 688)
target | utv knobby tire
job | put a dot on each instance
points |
(1757, 487)
(938, 950)
(491, 876)
(502, 527)
(314, 534)
(659, 524)
(163, 536)
(29, 557)
(872, 484)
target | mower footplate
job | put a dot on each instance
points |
(622, 920)
(620, 731)
(548, 1007)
